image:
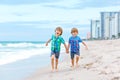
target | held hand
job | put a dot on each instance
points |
(46, 44)
(86, 48)
(67, 51)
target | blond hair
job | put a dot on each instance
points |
(59, 29)
(74, 30)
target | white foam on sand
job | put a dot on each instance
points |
(24, 54)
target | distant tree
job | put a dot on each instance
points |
(113, 36)
(118, 35)
(106, 38)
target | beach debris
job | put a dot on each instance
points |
(103, 72)
(88, 65)
(116, 78)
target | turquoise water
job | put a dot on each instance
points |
(12, 51)
(23, 68)
(19, 59)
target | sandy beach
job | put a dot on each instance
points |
(100, 62)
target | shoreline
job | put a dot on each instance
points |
(100, 62)
(20, 69)
(65, 72)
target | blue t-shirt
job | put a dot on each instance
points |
(74, 44)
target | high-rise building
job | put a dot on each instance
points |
(116, 26)
(110, 24)
(95, 29)
(119, 24)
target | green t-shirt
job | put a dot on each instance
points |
(56, 43)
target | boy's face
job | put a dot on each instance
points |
(57, 33)
(74, 34)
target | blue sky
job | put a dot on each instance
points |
(35, 20)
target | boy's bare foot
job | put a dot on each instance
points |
(56, 70)
(77, 65)
(52, 70)
(72, 67)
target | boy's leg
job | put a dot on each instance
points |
(56, 65)
(77, 59)
(56, 60)
(72, 59)
(52, 62)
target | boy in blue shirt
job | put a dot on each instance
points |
(74, 46)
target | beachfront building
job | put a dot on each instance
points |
(95, 29)
(119, 24)
(110, 25)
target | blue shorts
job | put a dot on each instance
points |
(56, 54)
(72, 54)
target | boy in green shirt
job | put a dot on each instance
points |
(55, 46)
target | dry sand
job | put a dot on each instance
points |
(100, 62)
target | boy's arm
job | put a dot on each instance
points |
(48, 42)
(67, 51)
(85, 45)
(68, 46)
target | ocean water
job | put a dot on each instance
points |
(19, 59)
(13, 51)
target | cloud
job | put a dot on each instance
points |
(82, 4)
(63, 4)
(97, 3)
(53, 13)
(37, 12)
(19, 2)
